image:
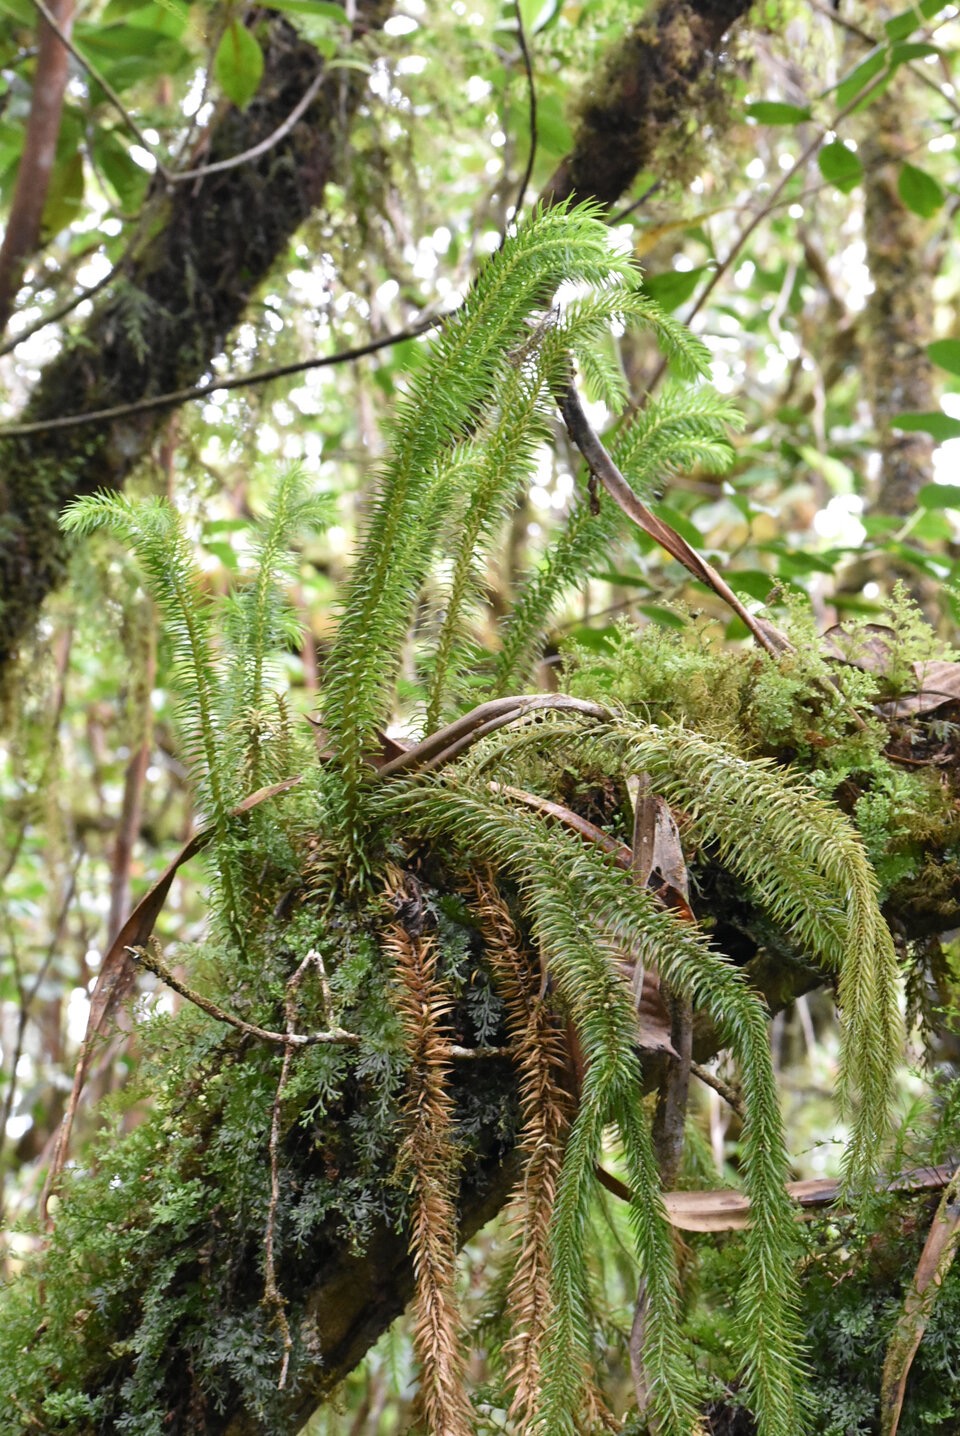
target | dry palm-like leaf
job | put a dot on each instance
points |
(541, 1058)
(935, 1261)
(118, 970)
(727, 1210)
(428, 1158)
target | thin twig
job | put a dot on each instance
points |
(153, 963)
(272, 1295)
(332, 1037)
(229, 381)
(723, 1089)
(282, 130)
(532, 94)
(636, 204)
(865, 38)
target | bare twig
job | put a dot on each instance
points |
(298, 111)
(753, 224)
(53, 316)
(332, 1037)
(272, 1295)
(229, 381)
(155, 964)
(723, 1089)
(532, 94)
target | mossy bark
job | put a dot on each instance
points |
(202, 249)
(199, 253)
(898, 323)
(645, 107)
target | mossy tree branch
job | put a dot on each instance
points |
(184, 282)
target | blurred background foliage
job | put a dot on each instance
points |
(802, 218)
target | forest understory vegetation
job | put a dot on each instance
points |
(493, 952)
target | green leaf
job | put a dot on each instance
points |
(915, 50)
(840, 166)
(941, 426)
(860, 76)
(317, 9)
(939, 496)
(127, 180)
(919, 191)
(675, 287)
(238, 64)
(773, 112)
(898, 27)
(666, 617)
(64, 197)
(946, 354)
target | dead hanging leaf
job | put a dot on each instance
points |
(118, 972)
(938, 683)
(870, 647)
(873, 649)
(725, 1210)
(935, 1261)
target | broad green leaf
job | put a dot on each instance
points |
(860, 76)
(674, 287)
(112, 158)
(65, 195)
(754, 582)
(919, 191)
(666, 617)
(946, 354)
(127, 54)
(840, 166)
(772, 112)
(915, 50)
(939, 496)
(898, 27)
(238, 64)
(941, 426)
(317, 9)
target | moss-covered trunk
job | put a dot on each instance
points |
(200, 251)
(897, 375)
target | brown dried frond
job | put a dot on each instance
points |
(428, 1154)
(545, 1105)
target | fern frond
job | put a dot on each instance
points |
(577, 903)
(806, 865)
(259, 622)
(447, 397)
(428, 1157)
(154, 530)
